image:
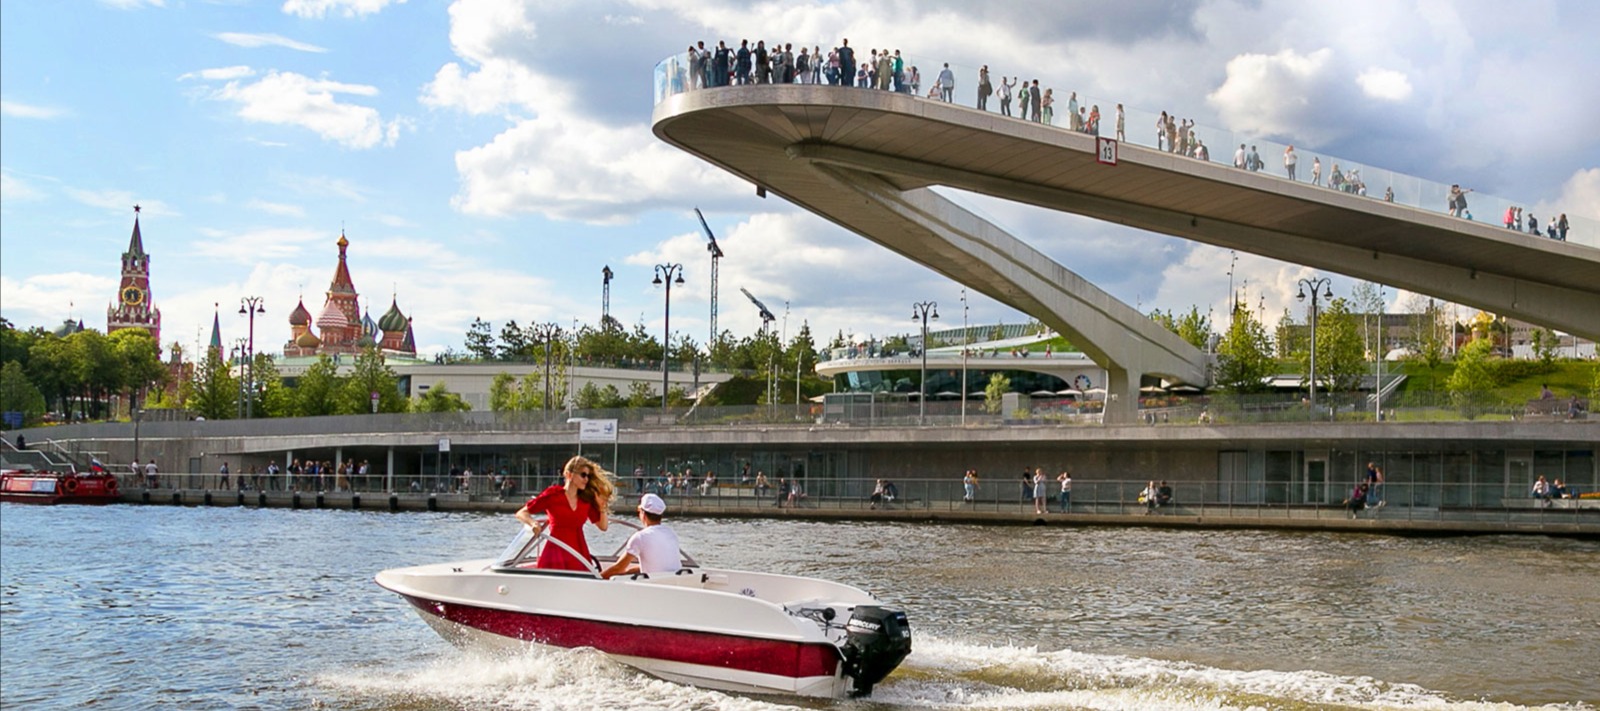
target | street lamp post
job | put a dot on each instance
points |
(138, 415)
(238, 350)
(547, 332)
(664, 275)
(924, 310)
(965, 340)
(250, 306)
(1377, 364)
(1324, 284)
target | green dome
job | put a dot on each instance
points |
(393, 321)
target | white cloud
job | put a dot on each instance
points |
(276, 208)
(251, 40)
(120, 201)
(347, 8)
(1384, 84)
(289, 99)
(257, 245)
(1276, 94)
(238, 71)
(1582, 192)
(17, 109)
(13, 189)
(49, 299)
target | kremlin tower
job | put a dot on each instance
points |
(341, 327)
(133, 307)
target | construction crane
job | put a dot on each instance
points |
(767, 318)
(766, 314)
(716, 254)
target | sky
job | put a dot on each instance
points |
(488, 158)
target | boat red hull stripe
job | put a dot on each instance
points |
(764, 656)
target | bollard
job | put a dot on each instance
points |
(145, 497)
(319, 499)
(261, 499)
(433, 502)
(394, 503)
(241, 498)
(295, 504)
(355, 502)
(208, 497)
(177, 498)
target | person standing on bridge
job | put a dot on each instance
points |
(1122, 124)
(1034, 97)
(1239, 157)
(1316, 170)
(1289, 161)
(984, 88)
(1005, 96)
(947, 84)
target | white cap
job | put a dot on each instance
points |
(652, 504)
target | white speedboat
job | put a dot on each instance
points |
(722, 629)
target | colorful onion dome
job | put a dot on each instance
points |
(332, 317)
(300, 316)
(308, 340)
(393, 321)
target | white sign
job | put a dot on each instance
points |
(1106, 150)
(597, 431)
(444, 444)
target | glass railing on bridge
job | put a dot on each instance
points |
(1360, 180)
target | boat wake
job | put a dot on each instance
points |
(940, 674)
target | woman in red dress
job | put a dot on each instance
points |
(586, 496)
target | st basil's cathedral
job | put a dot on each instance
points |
(341, 327)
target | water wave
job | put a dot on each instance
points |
(940, 674)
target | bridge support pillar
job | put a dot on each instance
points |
(1122, 397)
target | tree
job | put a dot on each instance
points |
(1544, 346)
(480, 340)
(1244, 355)
(371, 375)
(515, 345)
(18, 394)
(641, 395)
(1473, 377)
(503, 393)
(1293, 340)
(440, 399)
(1341, 360)
(96, 370)
(1427, 340)
(274, 397)
(50, 371)
(139, 362)
(316, 391)
(212, 391)
(998, 386)
(1194, 328)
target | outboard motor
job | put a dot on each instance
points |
(878, 639)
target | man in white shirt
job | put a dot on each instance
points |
(654, 549)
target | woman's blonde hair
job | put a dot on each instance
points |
(599, 490)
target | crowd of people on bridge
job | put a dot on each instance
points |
(1555, 228)
(887, 70)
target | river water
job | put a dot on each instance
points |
(230, 608)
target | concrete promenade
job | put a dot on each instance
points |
(1562, 519)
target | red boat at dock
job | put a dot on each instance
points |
(45, 487)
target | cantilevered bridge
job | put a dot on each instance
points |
(866, 159)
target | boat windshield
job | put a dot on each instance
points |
(525, 547)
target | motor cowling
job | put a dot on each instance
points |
(877, 639)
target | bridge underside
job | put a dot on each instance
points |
(864, 160)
